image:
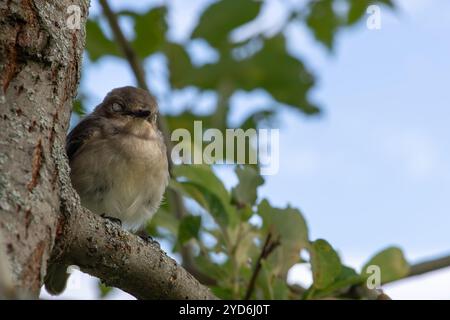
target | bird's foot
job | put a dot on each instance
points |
(112, 219)
(143, 234)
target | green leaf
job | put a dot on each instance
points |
(220, 18)
(204, 176)
(255, 118)
(269, 286)
(388, 3)
(104, 289)
(245, 212)
(203, 186)
(323, 21)
(348, 277)
(286, 82)
(150, 31)
(280, 289)
(165, 219)
(78, 107)
(325, 264)
(97, 44)
(182, 71)
(357, 10)
(392, 264)
(189, 228)
(225, 293)
(221, 211)
(217, 271)
(245, 193)
(289, 226)
(246, 244)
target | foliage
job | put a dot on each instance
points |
(230, 245)
(231, 229)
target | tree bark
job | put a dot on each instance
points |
(103, 249)
(39, 71)
(41, 219)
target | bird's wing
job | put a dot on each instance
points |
(81, 133)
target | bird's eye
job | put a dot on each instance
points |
(117, 107)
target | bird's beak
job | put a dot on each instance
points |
(141, 114)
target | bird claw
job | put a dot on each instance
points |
(147, 238)
(112, 219)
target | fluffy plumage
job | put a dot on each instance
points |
(118, 158)
(118, 162)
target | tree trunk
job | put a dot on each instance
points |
(40, 58)
(41, 218)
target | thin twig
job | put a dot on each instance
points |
(139, 73)
(135, 64)
(415, 270)
(266, 250)
(428, 266)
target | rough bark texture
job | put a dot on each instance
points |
(103, 249)
(39, 72)
(41, 219)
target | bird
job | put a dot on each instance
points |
(118, 164)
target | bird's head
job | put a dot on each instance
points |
(129, 104)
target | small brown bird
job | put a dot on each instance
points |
(118, 163)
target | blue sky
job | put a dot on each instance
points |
(373, 170)
(377, 162)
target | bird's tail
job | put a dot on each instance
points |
(56, 278)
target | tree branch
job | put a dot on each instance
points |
(139, 73)
(426, 266)
(136, 66)
(361, 291)
(119, 258)
(266, 250)
(134, 62)
(123, 260)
